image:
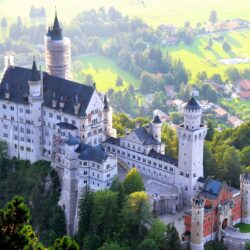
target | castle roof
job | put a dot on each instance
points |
(145, 137)
(106, 105)
(65, 125)
(92, 153)
(157, 120)
(71, 141)
(163, 157)
(211, 189)
(17, 79)
(35, 75)
(56, 32)
(192, 105)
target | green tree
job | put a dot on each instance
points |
(135, 214)
(15, 231)
(245, 156)
(176, 117)
(133, 182)
(110, 246)
(215, 245)
(105, 214)
(226, 46)
(119, 82)
(213, 17)
(210, 43)
(147, 244)
(216, 78)
(85, 214)
(232, 74)
(65, 243)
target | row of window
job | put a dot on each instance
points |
(22, 148)
(187, 174)
(93, 183)
(58, 117)
(138, 158)
(12, 108)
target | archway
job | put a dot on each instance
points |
(224, 223)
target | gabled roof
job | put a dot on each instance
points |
(192, 105)
(92, 153)
(145, 137)
(53, 88)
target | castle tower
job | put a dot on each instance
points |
(197, 225)
(191, 136)
(156, 126)
(35, 98)
(57, 52)
(107, 112)
(245, 194)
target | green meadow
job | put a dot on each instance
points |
(196, 58)
(154, 12)
(104, 72)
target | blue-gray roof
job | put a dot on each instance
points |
(65, 125)
(157, 119)
(53, 88)
(113, 140)
(163, 157)
(211, 188)
(145, 137)
(73, 140)
(192, 105)
(92, 153)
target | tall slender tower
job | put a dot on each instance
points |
(197, 224)
(35, 101)
(191, 136)
(245, 194)
(57, 52)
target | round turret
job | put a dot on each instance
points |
(197, 224)
(245, 194)
(192, 115)
(156, 128)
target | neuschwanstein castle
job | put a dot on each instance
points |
(44, 115)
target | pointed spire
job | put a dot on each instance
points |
(106, 105)
(157, 120)
(35, 76)
(192, 105)
(56, 32)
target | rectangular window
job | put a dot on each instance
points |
(12, 108)
(27, 111)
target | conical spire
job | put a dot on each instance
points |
(192, 105)
(56, 32)
(106, 105)
(157, 120)
(35, 76)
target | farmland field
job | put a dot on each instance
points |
(154, 12)
(196, 58)
(104, 72)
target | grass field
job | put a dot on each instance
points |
(196, 58)
(244, 228)
(105, 72)
(154, 12)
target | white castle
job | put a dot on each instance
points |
(45, 116)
